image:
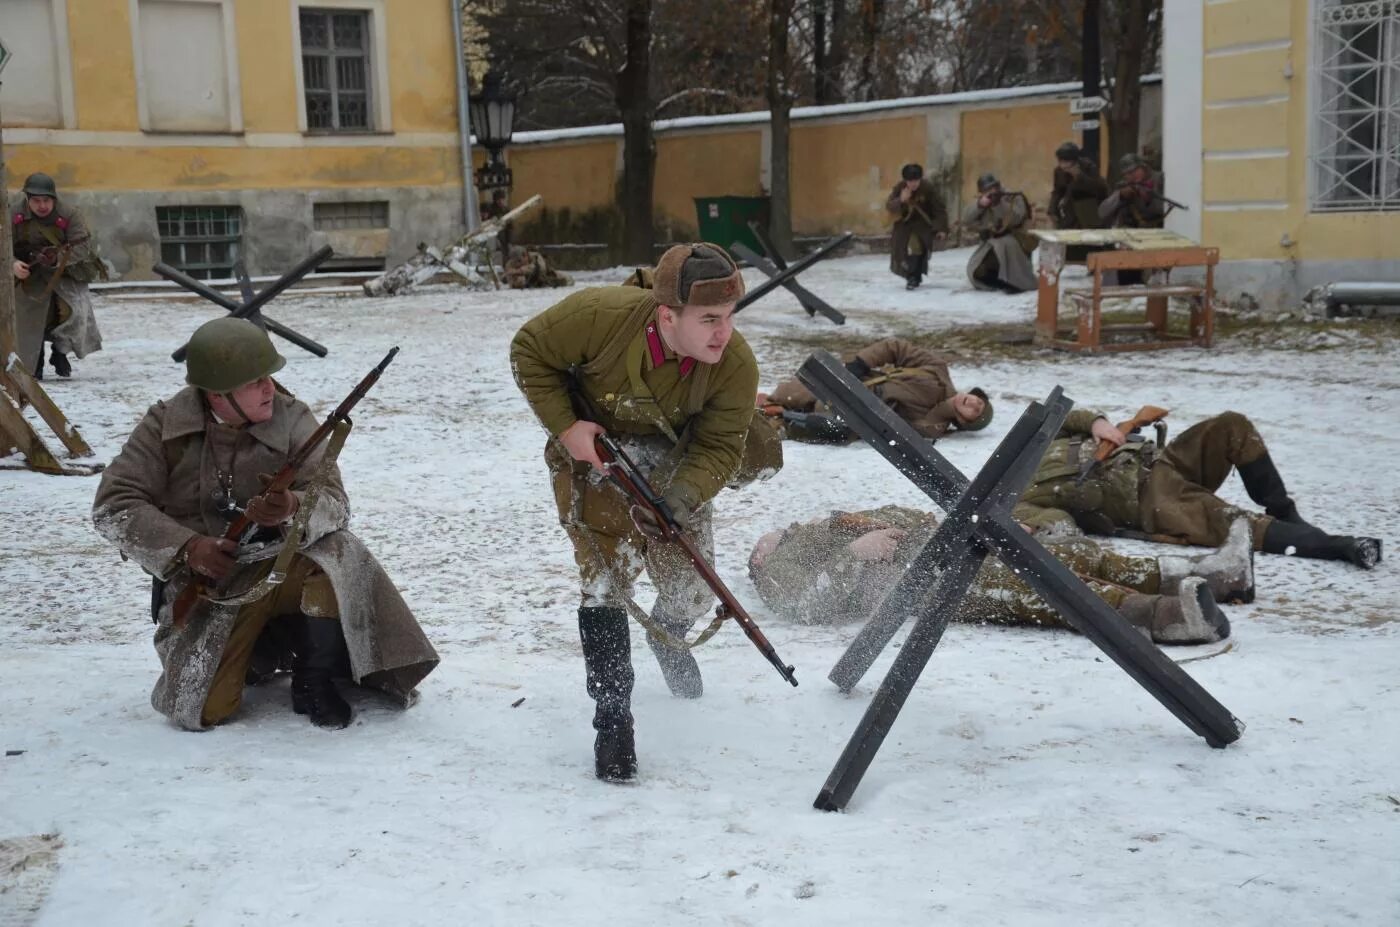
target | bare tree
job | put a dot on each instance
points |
(780, 112)
(1138, 33)
(634, 100)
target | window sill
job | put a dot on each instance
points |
(344, 133)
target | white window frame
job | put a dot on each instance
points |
(235, 88)
(1323, 177)
(380, 114)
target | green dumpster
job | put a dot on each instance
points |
(725, 219)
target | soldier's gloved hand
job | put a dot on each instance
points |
(858, 368)
(272, 508)
(210, 557)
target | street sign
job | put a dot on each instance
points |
(1084, 125)
(1080, 105)
(5, 55)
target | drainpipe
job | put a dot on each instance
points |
(470, 213)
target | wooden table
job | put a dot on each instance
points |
(1122, 249)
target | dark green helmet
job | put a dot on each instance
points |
(227, 353)
(986, 182)
(1130, 161)
(983, 420)
(40, 185)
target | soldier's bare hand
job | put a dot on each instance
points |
(211, 557)
(1104, 431)
(578, 439)
(905, 194)
(877, 545)
(984, 201)
(21, 270)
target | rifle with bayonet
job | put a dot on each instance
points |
(628, 478)
(1147, 415)
(242, 528)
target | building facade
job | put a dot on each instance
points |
(1282, 121)
(205, 132)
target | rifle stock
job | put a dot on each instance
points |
(627, 477)
(1147, 415)
(282, 480)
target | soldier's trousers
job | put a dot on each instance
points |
(1000, 596)
(609, 550)
(306, 591)
(1178, 498)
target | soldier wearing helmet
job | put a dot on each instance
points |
(1001, 220)
(194, 463)
(1137, 202)
(1077, 190)
(53, 262)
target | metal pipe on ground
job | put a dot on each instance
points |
(1374, 294)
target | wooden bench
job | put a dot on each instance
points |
(1089, 329)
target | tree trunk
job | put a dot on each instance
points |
(821, 90)
(780, 107)
(638, 141)
(838, 51)
(871, 14)
(1124, 116)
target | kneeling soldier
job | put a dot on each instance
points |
(193, 463)
(664, 373)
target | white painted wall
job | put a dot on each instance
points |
(1183, 89)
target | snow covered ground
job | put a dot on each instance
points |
(1028, 781)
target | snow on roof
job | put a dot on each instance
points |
(812, 112)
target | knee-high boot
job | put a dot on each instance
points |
(1265, 486)
(1283, 537)
(320, 654)
(607, 655)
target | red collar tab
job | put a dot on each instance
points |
(61, 222)
(19, 218)
(658, 352)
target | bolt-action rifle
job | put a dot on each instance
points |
(1147, 415)
(627, 477)
(242, 528)
(1153, 191)
(819, 427)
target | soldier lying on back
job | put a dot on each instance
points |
(840, 569)
(664, 373)
(1170, 491)
(911, 380)
(193, 463)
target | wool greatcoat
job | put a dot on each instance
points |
(912, 381)
(916, 222)
(1003, 259)
(814, 577)
(161, 491)
(63, 316)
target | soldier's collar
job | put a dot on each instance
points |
(186, 414)
(657, 352)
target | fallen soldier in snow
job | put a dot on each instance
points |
(1168, 493)
(193, 463)
(912, 381)
(839, 569)
(527, 270)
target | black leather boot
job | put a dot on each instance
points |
(1282, 537)
(607, 655)
(60, 363)
(1265, 486)
(313, 687)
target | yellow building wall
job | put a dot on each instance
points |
(709, 163)
(1235, 121)
(422, 82)
(576, 175)
(841, 173)
(1017, 144)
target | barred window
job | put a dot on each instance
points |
(1356, 111)
(203, 241)
(330, 217)
(335, 69)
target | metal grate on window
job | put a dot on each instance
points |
(335, 69)
(329, 217)
(1356, 134)
(203, 241)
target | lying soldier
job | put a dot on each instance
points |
(912, 381)
(193, 463)
(840, 568)
(1169, 493)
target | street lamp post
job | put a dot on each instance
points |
(493, 121)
